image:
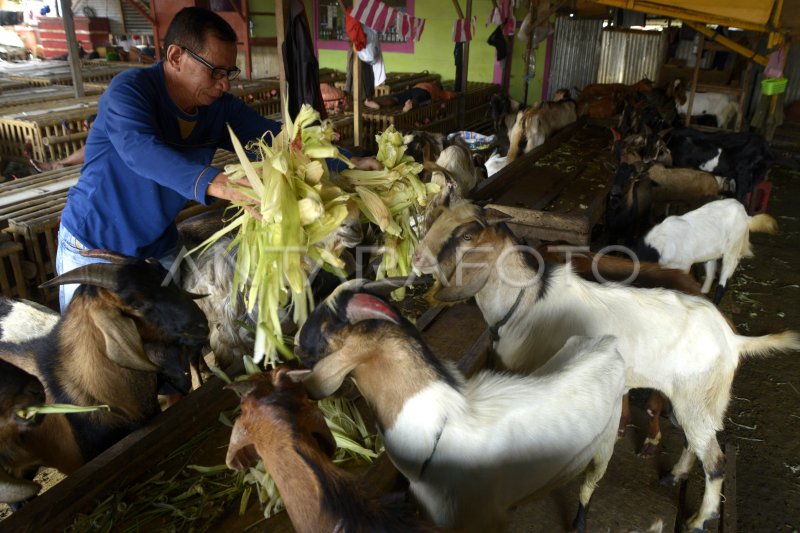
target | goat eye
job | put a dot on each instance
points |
(467, 236)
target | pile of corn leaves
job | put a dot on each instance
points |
(294, 204)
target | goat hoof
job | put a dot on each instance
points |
(669, 480)
(648, 450)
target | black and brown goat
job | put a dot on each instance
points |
(124, 330)
(18, 390)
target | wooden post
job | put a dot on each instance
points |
(698, 56)
(462, 106)
(281, 8)
(356, 88)
(528, 51)
(72, 48)
(356, 99)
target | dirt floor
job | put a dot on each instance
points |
(764, 415)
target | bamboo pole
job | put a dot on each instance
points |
(72, 47)
(281, 8)
(356, 88)
(698, 56)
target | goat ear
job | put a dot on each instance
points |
(470, 283)
(494, 216)
(242, 388)
(242, 452)
(368, 307)
(122, 339)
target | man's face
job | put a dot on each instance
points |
(198, 81)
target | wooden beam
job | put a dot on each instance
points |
(248, 54)
(356, 99)
(72, 48)
(657, 8)
(462, 107)
(727, 43)
(458, 9)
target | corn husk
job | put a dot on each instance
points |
(391, 198)
(58, 408)
(298, 207)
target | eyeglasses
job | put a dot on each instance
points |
(217, 73)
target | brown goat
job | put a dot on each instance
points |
(282, 426)
(18, 390)
(539, 123)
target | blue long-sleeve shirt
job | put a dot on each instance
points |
(145, 158)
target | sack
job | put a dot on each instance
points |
(775, 64)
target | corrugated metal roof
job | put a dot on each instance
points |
(627, 56)
(135, 23)
(576, 53)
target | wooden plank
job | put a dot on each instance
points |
(123, 463)
(490, 188)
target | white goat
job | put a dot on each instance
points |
(470, 448)
(719, 229)
(722, 106)
(678, 344)
(457, 160)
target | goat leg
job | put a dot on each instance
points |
(655, 404)
(625, 419)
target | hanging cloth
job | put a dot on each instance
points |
(354, 31)
(498, 40)
(300, 63)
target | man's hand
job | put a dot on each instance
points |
(366, 163)
(221, 187)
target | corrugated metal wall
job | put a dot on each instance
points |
(627, 56)
(576, 54)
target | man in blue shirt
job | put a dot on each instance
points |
(151, 146)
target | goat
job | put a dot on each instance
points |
(724, 107)
(641, 194)
(288, 432)
(608, 268)
(212, 273)
(123, 331)
(426, 146)
(742, 157)
(539, 123)
(691, 356)
(457, 160)
(18, 390)
(503, 112)
(470, 448)
(719, 229)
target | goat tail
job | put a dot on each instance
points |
(516, 136)
(763, 223)
(765, 345)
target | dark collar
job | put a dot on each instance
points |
(494, 331)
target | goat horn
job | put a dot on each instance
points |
(108, 255)
(97, 274)
(387, 285)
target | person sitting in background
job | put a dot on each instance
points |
(421, 93)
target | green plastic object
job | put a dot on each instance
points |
(770, 86)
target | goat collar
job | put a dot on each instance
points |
(494, 331)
